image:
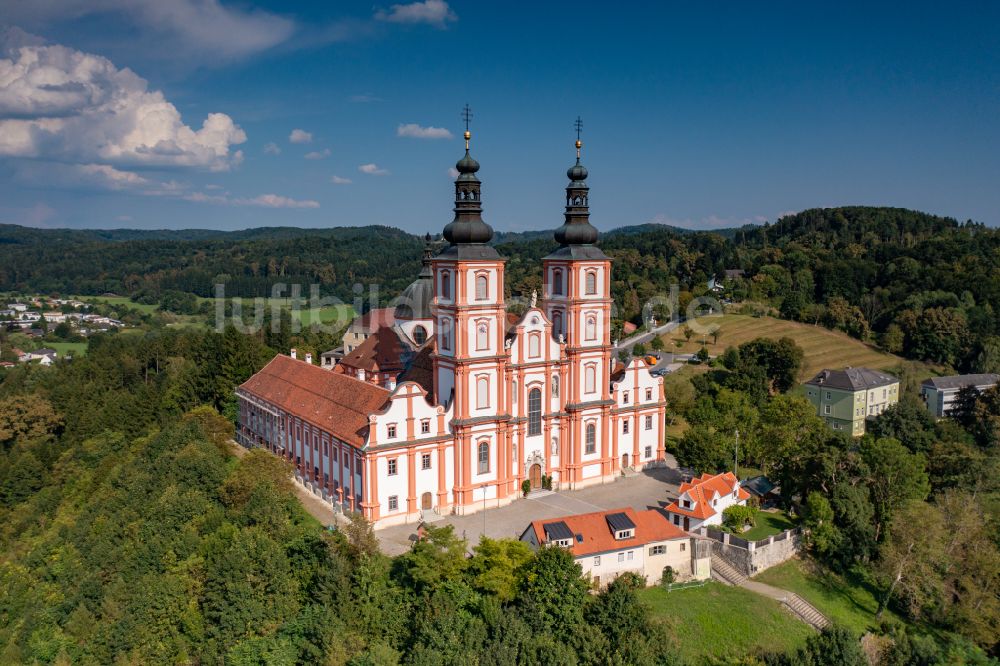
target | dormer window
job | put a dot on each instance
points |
(624, 534)
(686, 504)
(621, 525)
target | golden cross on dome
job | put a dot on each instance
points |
(467, 117)
(578, 126)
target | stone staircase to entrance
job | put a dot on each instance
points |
(725, 572)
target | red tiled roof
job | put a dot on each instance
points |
(382, 351)
(339, 404)
(651, 526)
(379, 317)
(702, 490)
(629, 327)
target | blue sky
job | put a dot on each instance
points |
(701, 117)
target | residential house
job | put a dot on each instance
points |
(606, 544)
(44, 356)
(366, 325)
(702, 500)
(845, 398)
(18, 307)
(940, 393)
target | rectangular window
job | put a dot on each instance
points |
(597, 560)
(425, 426)
(625, 427)
(826, 409)
(392, 467)
(649, 452)
(649, 394)
(625, 397)
(391, 428)
(393, 502)
(683, 546)
(658, 550)
(425, 461)
(649, 422)
(621, 557)
(827, 395)
(630, 553)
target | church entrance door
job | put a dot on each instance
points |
(426, 502)
(535, 476)
(624, 460)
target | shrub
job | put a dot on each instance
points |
(526, 487)
(668, 575)
(736, 517)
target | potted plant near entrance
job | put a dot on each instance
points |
(526, 487)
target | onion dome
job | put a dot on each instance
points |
(468, 227)
(576, 228)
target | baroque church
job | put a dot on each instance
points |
(458, 404)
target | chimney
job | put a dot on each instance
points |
(309, 358)
(293, 353)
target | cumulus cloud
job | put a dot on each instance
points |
(452, 172)
(62, 104)
(415, 131)
(337, 180)
(203, 29)
(271, 148)
(300, 136)
(318, 154)
(373, 170)
(276, 201)
(431, 12)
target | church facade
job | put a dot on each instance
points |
(458, 405)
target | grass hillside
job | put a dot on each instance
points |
(823, 348)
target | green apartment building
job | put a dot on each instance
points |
(845, 398)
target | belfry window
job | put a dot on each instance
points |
(557, 282)
(557, 324)
(446, 334)
(482, 288)
(535, 411)
(446, 284)
(482, 393)
(591, 283)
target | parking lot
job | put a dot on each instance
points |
(648, 489)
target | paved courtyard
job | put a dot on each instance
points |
(648, 489)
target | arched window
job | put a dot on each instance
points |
(513, 392)
(482, 288)
(446, 284)
(534, 345)
(482, 393)
(419, 335)
(555, 386)
(590, 443)
(557, 282)
(591, 282)
(557, 326)
(590, 379)
(555, 446)
(446, 334)
(591, 328)
(482, 336)
(483, 455)
(535, 411)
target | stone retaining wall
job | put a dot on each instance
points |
(752, 557)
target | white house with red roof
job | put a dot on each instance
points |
(702, 500)
(606, 544)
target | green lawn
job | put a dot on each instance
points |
(326, 315)
(768, 523)
(717, 620)
(120, 300)
(846, 600)
(67, 348)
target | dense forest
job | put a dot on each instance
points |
(922, 286)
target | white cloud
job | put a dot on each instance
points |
(276, 201)
(205, 30)
(337, 180)
(300, 136)
(318, 154)
(271, 148)
(112, 178)
(431, 12)
(452, 172)
(415, 131)
(373, 170)
(61, 104)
